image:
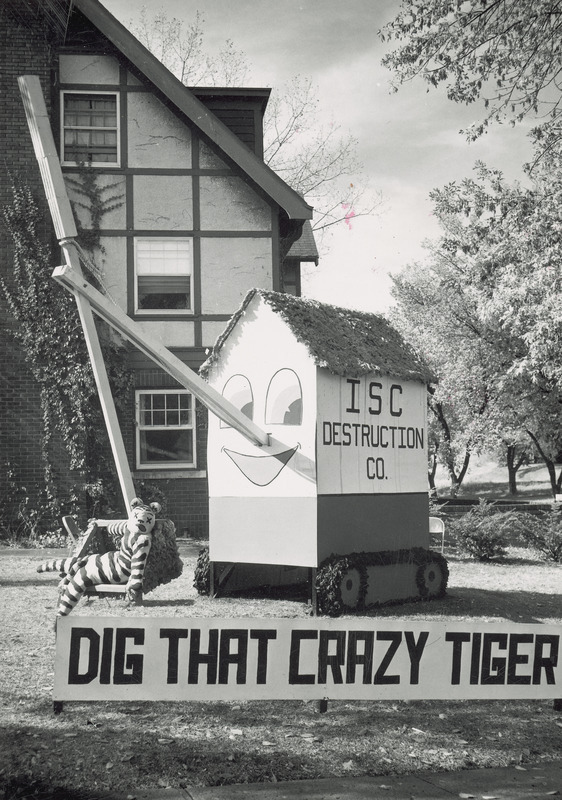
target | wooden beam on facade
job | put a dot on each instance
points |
(160, 355)
(65, 229)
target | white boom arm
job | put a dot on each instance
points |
(160, 354)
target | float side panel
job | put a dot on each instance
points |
(371, 523)
(263, 530)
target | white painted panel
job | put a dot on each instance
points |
(372, 436)
(229, 204)
(280, 530)
(230, 268)
(173, 333)
(156, 137)
(88, 69)
(163, 202)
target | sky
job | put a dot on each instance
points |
(408, 142)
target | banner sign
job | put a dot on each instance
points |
(149, 658)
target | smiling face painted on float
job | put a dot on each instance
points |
(283, 406)
(262, 499)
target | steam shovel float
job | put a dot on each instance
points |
(339, 492)
(333, 488)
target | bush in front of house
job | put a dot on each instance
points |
(202, 578)
(544, 534)
(484, 532)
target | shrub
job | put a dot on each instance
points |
(484, 532)
(202, 579)
(544, 534)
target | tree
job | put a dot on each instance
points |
(318, 160)
(507, 53)
(436, 313)
(487, 305)
(179, 46)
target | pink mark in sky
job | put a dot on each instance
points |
(349, 216)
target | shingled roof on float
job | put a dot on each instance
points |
(341, 340)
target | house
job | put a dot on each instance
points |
(343, 399)
(186, 217)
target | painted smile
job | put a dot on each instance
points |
(261, 470)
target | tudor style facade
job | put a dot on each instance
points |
(186, 215)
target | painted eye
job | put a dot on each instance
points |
(238, 391)
(284, 399)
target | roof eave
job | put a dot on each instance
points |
(268, 180)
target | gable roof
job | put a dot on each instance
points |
(341, 340)
(184, 100)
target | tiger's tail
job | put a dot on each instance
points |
(61, 565)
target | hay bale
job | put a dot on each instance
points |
(164, 563)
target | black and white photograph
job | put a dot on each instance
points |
(280, 399)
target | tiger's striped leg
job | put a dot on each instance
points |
(65, 580)
(93, 571)
(141, 549)
(73, 591)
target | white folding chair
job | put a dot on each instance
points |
(436, 525)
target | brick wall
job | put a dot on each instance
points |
(22, 52)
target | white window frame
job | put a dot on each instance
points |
(104, 164)
(139, 427)
(166, 312)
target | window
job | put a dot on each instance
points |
(90, 128)
(165, 429)
(284, 399)
(239, 392)
(163, 275)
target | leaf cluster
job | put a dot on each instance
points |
(484, 532)
(484, 309)
(506, 53)
(544, 533)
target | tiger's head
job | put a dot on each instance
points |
(142, 517)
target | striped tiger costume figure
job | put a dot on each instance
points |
(125, 565)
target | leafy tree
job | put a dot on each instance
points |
(485, 308)
(318, 160)
(507, 53)
(435, 312)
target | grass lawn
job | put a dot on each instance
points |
(489, 481)
(126, 747)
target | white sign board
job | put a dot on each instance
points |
(371, 435)
(149, 658)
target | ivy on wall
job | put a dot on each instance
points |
(97, 201)
(50, 334)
